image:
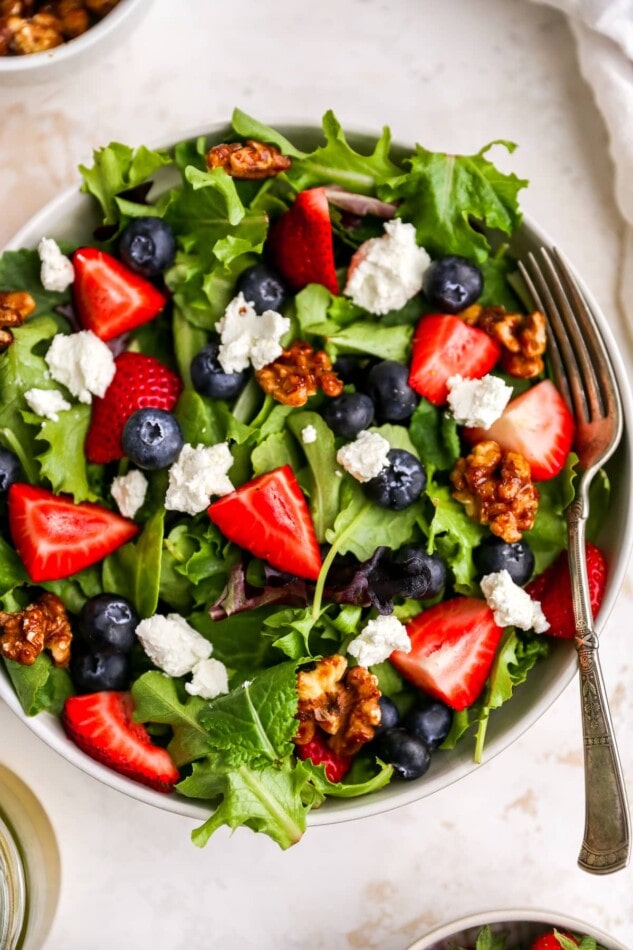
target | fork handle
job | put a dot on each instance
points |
(606, 843)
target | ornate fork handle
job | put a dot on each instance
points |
(606, 842)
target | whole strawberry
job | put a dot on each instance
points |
(317, 750)
(553, 940)
(300, 242)
(553, 589)
(139, 382)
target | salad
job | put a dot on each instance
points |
(282, 470)
(552, 939)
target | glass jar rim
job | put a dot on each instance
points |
(13, 895)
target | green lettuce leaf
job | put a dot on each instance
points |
(445, 195)
(348, 789)
(134, 569)
(20, 270)
(366, 337)
(454, 535)
(119, 168)
(238, 641)
(12, 572)
(64, 463)
(323, 487)
(156, 699)
(41, 687)
(434, 434)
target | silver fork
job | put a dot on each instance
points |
(584, 375)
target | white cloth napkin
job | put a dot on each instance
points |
(604, 35)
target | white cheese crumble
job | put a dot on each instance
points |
(46, 402)
(56, 271)
(308, 435)
(512, 606)
(129, 492)
(477, 402)
(248, 337)
(172, 644)
(378, 639)
(82, 363)
(365, 457)
(387, 271)
(197, 474)
(210, 679)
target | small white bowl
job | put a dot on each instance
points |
(519, 925)
(74, 54)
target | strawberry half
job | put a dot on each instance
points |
(300, 242)
(56, 537)
(453, 645)
(109, 298)
(101, 724)
(444, 345)
(139, 382)
(553, 589)
(269, 517)
(538, 425)
(550, 941)
(318, 751)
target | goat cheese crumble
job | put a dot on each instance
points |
(210, 679)
(477, 402)
(385, 272)
(197, 474)
(172, 644)
(56, 271)
(308, 435)
(378, 639)
(365, 457)
(46, 402)
(129, 492)
(82, 363)
(248, 337)
(511, 605)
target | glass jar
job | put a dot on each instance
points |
(29, 867)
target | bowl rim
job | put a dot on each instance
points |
(47, 726)
(33, 62)
(513, 916)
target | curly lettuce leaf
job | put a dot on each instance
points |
(12, 572)
(447, 198)
(156, 699)
(454, 535)
(435, 436)
(64, 462)
(41, 687)
(119, 168)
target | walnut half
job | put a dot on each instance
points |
(42, 625)
(253, 160)
(297, 374)
(15, 307)
(342, 702)
(496, 488)
(523, 338)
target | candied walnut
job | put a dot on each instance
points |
(35, 34)
(73, 17)
(100, 8)
(297, 374)
(42, 625)
(15, 306)
(523, 339)
(254, 160)
(496, 488)
(342, 702)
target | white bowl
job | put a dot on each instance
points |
(74, 54)
(519, 925)
(72, 217)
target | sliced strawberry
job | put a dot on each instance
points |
(443, 346)
(318, 751)
(269, 517)
(56, 537)
(101, 724)
(110, 299)
(550, 941)
(139, 382)
(553, 589)
(538, 425)
(453, 645)
(300, 242)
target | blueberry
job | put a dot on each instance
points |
(352, 370)
(208, 377)
(349, 414)
(108, 622)
(428, 571)
(400, 483)
(389, 388)
(10, 470)
(152, 438)
(389, 715)
(494, 554)
(409, 755)
(147, 246)
(430, 722)
(93, 672)
(263, 288)
(452, 283)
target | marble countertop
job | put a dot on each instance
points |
(452, 75)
